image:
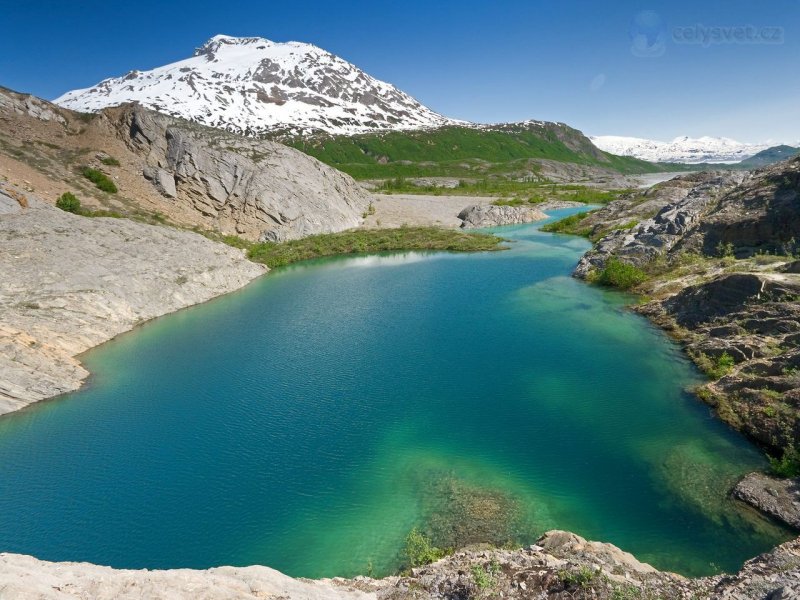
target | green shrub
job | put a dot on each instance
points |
(485, 578)
(69, 202)
(100, 180)
(725, 250)
(110, 161)
(788, 465)
(419, 549)
(620, 275)
(568, 224)
(583, 577)
(715, 369)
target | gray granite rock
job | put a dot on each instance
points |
(779, 498)
(258, 189)
(490, 215)
(70, 283)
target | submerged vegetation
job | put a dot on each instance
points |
(278, 254)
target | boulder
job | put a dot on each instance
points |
(490, 215)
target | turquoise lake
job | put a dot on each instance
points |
(311, 420)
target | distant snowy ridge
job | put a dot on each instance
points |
(254, 86)
(681, 150)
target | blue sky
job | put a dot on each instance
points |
(616, 67)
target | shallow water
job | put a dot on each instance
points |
(311, 420)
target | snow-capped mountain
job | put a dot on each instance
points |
(681, 150)
(253, 86)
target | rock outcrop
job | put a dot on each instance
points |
(560, 565)
(779, 498)
(70, 283)
(682, 203)
(257, 189)
(491, 215)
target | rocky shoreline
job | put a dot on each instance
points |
(560, 565)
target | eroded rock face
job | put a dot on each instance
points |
(490, 215)
(31, 106)
(683, 204)
(257, 189)
(70, 283)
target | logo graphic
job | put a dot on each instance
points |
(648, 34)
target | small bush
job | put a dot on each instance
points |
(69, 202)
(788, 465)
(100, 180)
(110, 161)
(484, 579)
(620, 275)
(715, 369)
(419, 549)
(583, 577)
(725, 250)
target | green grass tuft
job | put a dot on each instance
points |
(69, 202)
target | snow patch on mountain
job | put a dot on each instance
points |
(254, 86)
(682, 149)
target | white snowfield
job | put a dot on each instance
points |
(682, 149)
(253, 86)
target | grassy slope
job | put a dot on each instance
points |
(361, 241)
(462, 152)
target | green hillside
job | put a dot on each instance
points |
(769, 156)
(465, 152)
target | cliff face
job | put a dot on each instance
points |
(70, 283)
(560, 566)
(258, 189)
(191, 175)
